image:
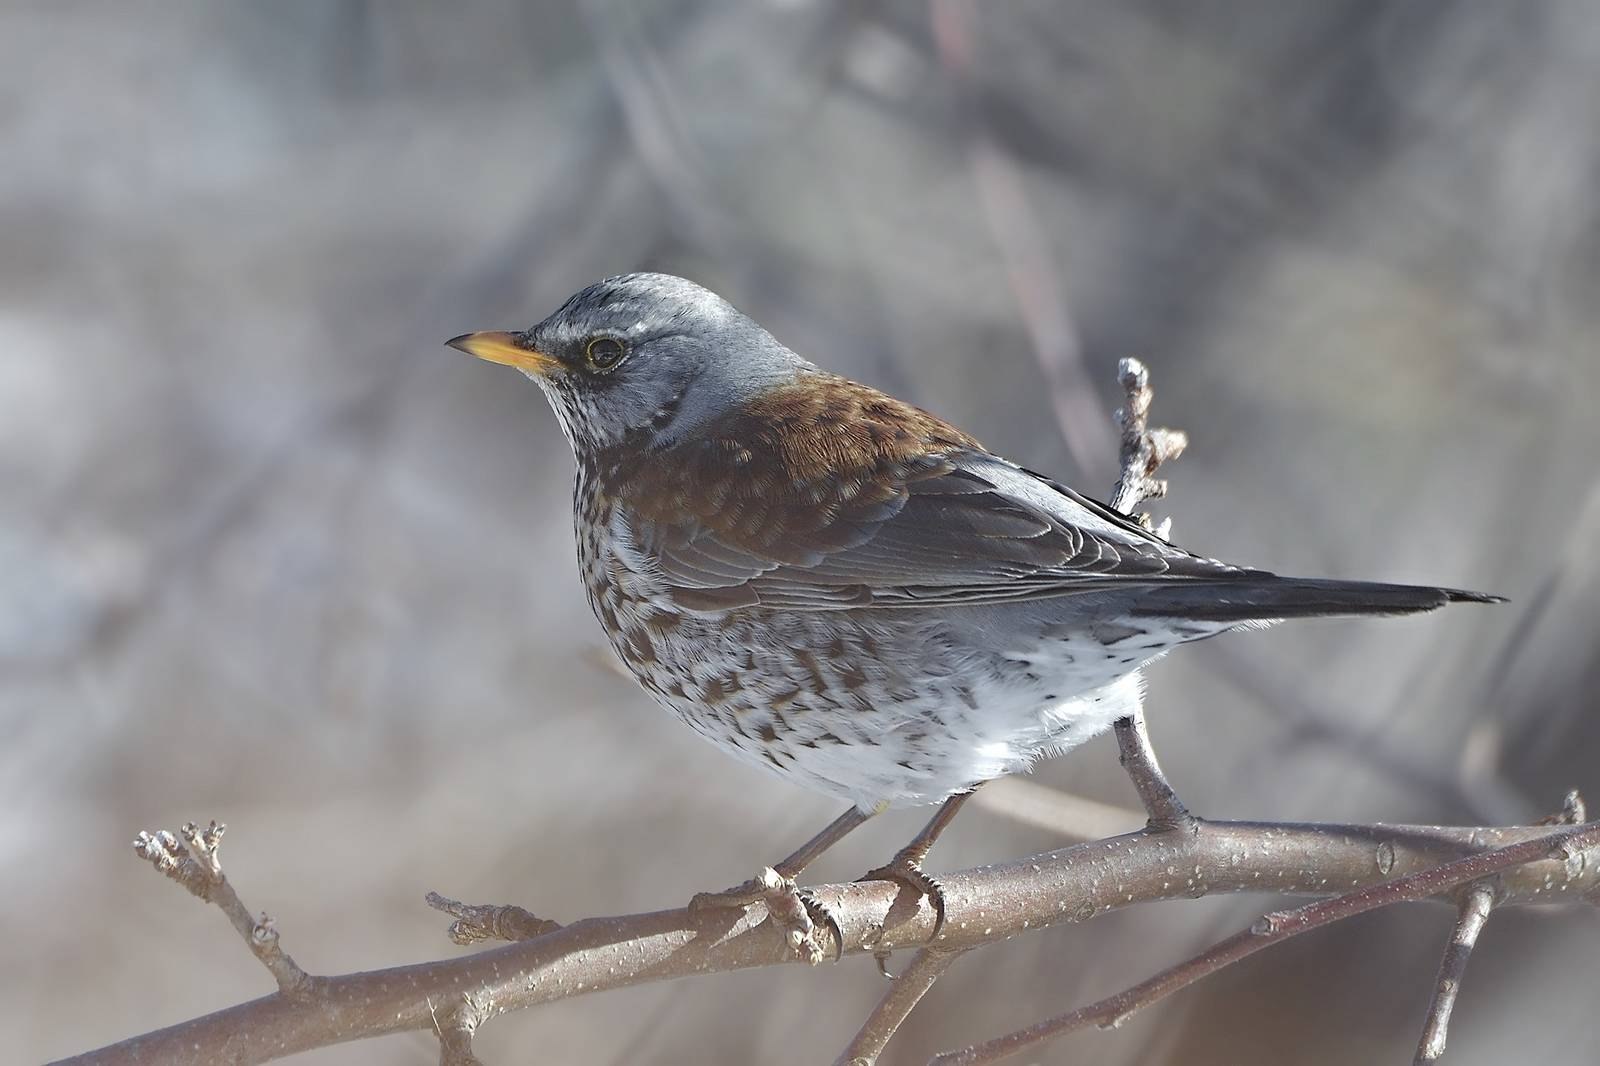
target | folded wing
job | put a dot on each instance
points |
(834, 496)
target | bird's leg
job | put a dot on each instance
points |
(774, 886)
(1138, 758)
(906, 866)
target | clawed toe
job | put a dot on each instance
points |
(786, 905)
(756, 890)
(908, 872)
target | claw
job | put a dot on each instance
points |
(786, 905)
(908, 872)
(820, 912)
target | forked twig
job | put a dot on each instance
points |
(195, 862)
(1143, 450)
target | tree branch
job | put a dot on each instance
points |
(983, 905)
(1274, 928)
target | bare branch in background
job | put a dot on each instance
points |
(1027, 802)
(1031, 269)
(906, 992)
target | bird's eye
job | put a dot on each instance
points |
(604, 353)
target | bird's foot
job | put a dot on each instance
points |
(905, 869)
(792, 908)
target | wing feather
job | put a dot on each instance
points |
(832, 496)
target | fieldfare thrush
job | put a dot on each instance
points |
(844, 589)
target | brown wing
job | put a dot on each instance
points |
(832, 495)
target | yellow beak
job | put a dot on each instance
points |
(500, 347)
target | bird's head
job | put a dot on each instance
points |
(643, 359)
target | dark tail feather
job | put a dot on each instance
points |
(1270, 597)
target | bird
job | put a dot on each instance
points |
(845, 590)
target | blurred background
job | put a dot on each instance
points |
(269, 553)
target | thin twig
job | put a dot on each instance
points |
(1143, 450)
(1471, 916)
(904, 994)
(1573, 811)
(195, 862)
(1470, 920)
(1161, 803)
(1274, 928)
(476, 922)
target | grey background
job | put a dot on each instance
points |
(269, 553)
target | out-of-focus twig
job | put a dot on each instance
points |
(906, 992)
(1074, 817)
(1030, 266)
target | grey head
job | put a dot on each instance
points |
(641, 358)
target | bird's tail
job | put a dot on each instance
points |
(1268, 597)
